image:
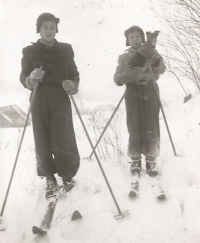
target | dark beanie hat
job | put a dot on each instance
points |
(130, 30)
(46, 16)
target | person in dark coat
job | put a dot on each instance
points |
(51, 63)
(142, 106)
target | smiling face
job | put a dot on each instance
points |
(48, 30)
(135, 39)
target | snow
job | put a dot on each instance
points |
(175, 220)
(150, 221)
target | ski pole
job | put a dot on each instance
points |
(19, 148)
(188, 96)
(99, 163)
(161, 107)
(116, 108)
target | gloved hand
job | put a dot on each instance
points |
(37, 73)
(35, 76)
(147, 50)
(30, 83)
(130, 76)
(142, 82)
(146, 76)
(70, 86)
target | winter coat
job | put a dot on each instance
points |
(142, 108)
(57, 62)
(125, 58)
(55, 142)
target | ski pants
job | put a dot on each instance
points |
(142, 109)
(55, 142)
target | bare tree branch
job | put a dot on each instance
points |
(181, 40)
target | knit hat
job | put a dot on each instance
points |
(130, 30)
(46, 16)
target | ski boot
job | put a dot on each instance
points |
(135, 167)
(52, 192)
(151, 168)
(68, 184)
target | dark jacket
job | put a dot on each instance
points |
(57, 62)
(55, 143)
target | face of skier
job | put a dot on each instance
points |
(135, 39)
(48, 30)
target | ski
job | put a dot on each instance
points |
(134, 188)
(64, 189)
(46, 222)
(157, 187)
(155, 184)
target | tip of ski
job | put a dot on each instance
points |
(161, 196)
(38, 231)
(133, 194)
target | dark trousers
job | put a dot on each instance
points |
(142, 110)
(55, 143)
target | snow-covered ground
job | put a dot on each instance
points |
(175, 220)
(97, 43)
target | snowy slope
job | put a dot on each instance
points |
(175, 220)
(92, 31)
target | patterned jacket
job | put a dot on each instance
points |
(124, 59)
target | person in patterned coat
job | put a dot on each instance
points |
(142, 105)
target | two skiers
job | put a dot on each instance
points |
(142, 106)
(51, 63)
